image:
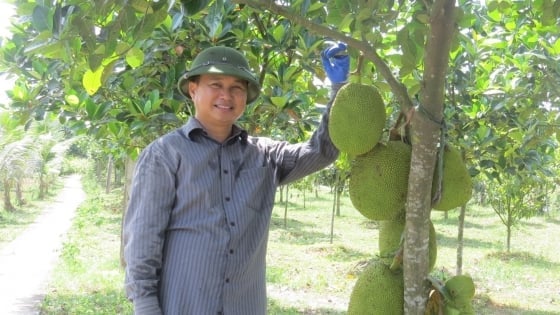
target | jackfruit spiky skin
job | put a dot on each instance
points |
(460, 287)
(390, 233)
(357, 118)
(379, 181)
(456, 185)
(378, 291)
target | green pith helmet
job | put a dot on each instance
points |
(221, 60)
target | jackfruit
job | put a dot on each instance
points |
(456, 183)
(357, 118)
(455, 296)
(461, 289)
(378, 291)
(379, 181)
(390, 234)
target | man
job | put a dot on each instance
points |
(196, 229)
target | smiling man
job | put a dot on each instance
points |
(196, 229)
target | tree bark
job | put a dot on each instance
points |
(459, 268)
(19, 193)
(128, 174)
(286, 207)
(426, 130)
(8, 206)
(108, 175)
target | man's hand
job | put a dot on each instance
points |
(336, 62)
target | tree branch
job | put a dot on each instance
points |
(399, 89)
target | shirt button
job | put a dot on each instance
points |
(227, 280)
(232, 223)
(226, 171)
(231, 251)
(227, 198)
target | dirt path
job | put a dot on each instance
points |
(25, 263)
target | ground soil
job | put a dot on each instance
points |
(26, 263)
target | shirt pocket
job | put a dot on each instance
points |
(254, 188)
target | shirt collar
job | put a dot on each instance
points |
(193, 127)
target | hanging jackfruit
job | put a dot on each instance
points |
(357, 118)
(461, 289)
(452, 297)
(456, 183)
(391, 240)
(378, 291)
(379, 181)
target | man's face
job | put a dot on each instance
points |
(218, 99)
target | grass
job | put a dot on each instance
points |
(14, 222)
(89, 278)
(307, 274)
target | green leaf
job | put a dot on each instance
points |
(90, 108)
(214, 20)
(422, 17)
(86, 29)
(72, 99)
(192, 7)
(279, 101)
(92, 80)
(346, 22)
(135, 57)
(128, 81)
(40, 19)
(95, 61)
(177, 21)
(147, 107)
(19, 93)
(141, 6)
(278, 33)
(109, 70)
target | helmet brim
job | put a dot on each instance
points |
(253, 89)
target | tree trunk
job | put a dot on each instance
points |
(459, 269)
(426, 125)
(8, 206)
(129, 173)
(281, 194)
(336, 200)
(286, 208)
(108, 176)
(338, 195)
(42, 186)
(19, 193)
(509, 225)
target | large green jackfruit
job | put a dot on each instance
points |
(456, 185)
(378, 291)
(390, 233)
(357, 118)
(379, 180)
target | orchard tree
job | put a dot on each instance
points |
(462, 72)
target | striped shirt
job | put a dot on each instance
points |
(196, 228)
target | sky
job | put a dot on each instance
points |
(6, 10)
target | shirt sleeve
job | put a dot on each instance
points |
(300, 160)
(146, 219)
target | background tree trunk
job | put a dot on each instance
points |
(128, 174)
(8, 206)
(461, 227)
